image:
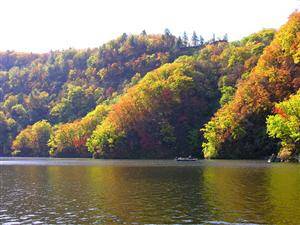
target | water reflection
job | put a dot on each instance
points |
(129, 193)
(232, 192)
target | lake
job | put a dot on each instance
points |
(87, 191)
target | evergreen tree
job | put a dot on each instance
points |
(185, 39)
(195, 40)
(201, 40)
(123, 37)
(178, 43)
(225, 38)
(213, 38)
(167, 32)
(144, 33)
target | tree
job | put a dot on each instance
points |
(227, 94)
(178, 43)
(20, 114)
(5, 127)
(132, 41)
(10, 101)
(70, 139)
(225, 38)
(76, 103)
(213, 39)
(125, 36)
(167, 32)
(185, 39)
(33, 141)
(38, 105)
(63, 86)
(195, 39)
(201, 40)
(153, 118)
(285, 125)
(238, 129)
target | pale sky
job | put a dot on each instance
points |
(42, 25)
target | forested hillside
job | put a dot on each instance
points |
(156, 96)
(62, 86)
(238, 129)
(160, 117)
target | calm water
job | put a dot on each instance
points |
(148, 192)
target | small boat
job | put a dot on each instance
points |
(186, 159)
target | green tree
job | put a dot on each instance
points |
(33, 140)
(76, 104)
(227, 94)
(6, 126)
(285, 125)
(20, 114)
(238, 129)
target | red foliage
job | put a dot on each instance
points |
(280, 112)
(79, 142)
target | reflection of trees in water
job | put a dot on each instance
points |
(150, 194)
(236, 194)
(108, 194)
(284, 187)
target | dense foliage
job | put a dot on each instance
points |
(69, 139)
(63, 86)
(238, 129)
(153, 117)
(140, 126)
(164, 128)
(138, 97)
(33, 140)
(285, 125)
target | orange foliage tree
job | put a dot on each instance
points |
(238, 129)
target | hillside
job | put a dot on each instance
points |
(160, 116)
(156, 96)
(238, 129)
(62, 86)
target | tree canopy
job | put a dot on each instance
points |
(285, 125)
(155, 96)
(238, 129)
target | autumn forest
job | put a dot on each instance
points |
(156, 96)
